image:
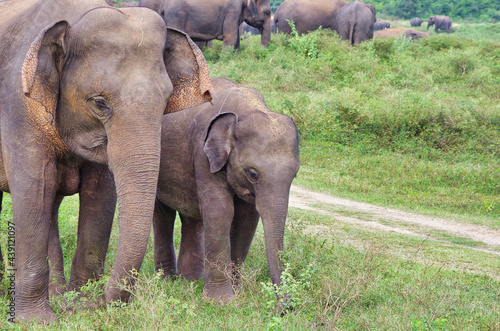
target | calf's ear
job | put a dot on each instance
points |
(220, 140)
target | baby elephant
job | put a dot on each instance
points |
(222, 165)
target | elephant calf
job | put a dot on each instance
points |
(381, 25)
(222, 165)
(416, 21)
(400, 31)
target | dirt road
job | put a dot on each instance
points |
(387, 219)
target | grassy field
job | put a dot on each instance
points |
(409, 125)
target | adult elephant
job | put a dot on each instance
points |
(355, 22)
(401, 31)
(440, 23)
(84, 81)
(215, 19)
(307, 15)
(381, 25)
(416, 21)
(232, 160)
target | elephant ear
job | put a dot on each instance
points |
(372, 9)
(220, 140)
(188, 72)
(41, 71)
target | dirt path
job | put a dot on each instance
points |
(368, 215)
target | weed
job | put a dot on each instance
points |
(306, 44)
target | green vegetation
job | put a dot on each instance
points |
(412, 125)
(485, 10)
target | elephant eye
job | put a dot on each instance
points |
(100, 107)
(253, 176)
(101, 103)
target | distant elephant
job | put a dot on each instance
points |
(215, 19)
(440, 22)
(82, 81)
(380, 25)
(222, 165)
(307, 15)
(416, 21)
(355, 22)
(400, 31)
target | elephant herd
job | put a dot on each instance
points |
(439, 22)
(112, 104)
(229, 20)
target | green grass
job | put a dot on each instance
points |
(347, 277)
(411, 125)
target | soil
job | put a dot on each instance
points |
(387, 219)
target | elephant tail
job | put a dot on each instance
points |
(351, 33)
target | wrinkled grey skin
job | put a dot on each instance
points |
(223, 164)
(95, 185)
(215, 19)
(307, 15)
(85, 82)
(416, 21)
(381, 25)
(355, 22)
(440, 23)
(400, 31)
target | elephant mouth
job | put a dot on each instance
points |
(247, 196)
(94, 150)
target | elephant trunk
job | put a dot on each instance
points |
(265, 32)
(273, 209)
(135, 166)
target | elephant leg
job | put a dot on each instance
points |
(217, 213)
(164, 250)
(191, 253)
(57, 282)
(246, 219)
(97, 208)
(33, 190)
(231, 32)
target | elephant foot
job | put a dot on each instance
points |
(43, 315)
(283, 304)
(81, 301)
(167, 273)
(221, 294)
(190, 274)
(57, 287)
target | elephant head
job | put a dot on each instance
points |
(104, 84)
(431, 22)
(257, 13)
(259, 150)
